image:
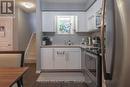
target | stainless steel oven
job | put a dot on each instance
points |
(93, 68)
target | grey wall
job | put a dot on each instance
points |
(59, 39)
(32, 22)
(23, 29)
(89, 3)
(38, 35)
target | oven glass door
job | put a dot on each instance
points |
(93, 68)
(91, 65)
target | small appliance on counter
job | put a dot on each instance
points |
(96, 42)
(89, 41)
(46, 41)
(83, 42)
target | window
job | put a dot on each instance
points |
(65, 24)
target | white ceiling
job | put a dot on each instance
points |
(33, 9)
(65, 5)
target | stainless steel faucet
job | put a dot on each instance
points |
(68, 42)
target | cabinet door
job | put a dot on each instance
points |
(48, 20)
(74, 60)
(83, 59)
(82, 23)
(92, 22)
(47, 61)
(59, 59)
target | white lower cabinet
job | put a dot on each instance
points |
(67, 58)
(47, 60)
(74, 59)
(61, 58)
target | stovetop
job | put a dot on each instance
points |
(94, 50)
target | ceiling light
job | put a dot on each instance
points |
(27, 4)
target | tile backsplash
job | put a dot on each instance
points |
(58, 39)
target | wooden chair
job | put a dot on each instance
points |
(12, 59)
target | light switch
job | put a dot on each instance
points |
(2, 31)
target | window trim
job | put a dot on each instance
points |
(73, 29)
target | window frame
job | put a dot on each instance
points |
(74, 21)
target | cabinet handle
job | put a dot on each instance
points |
(60, 53)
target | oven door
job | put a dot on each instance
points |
(93, 69)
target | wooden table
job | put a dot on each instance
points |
(9, 76)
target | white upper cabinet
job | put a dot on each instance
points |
(91, 22)
(74, 59)
(86, 21)
(48, 22)
(81, 22)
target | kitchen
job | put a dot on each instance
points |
(79, 43)
(70, 40)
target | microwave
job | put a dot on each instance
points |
(98, 19)
(94, 20)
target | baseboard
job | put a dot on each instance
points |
(30, 61)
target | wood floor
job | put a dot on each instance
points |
(30, 77)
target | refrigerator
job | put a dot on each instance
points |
(115, 35)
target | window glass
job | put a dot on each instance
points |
(65, 24)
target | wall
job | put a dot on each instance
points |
(59, 39)
(94, 8)
(89, 3)
(32, 21)
(23, 29)
(38, 35)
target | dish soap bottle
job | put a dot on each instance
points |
(83, 42)
(69, 42)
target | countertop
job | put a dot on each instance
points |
(65, 46)
(85, 47)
